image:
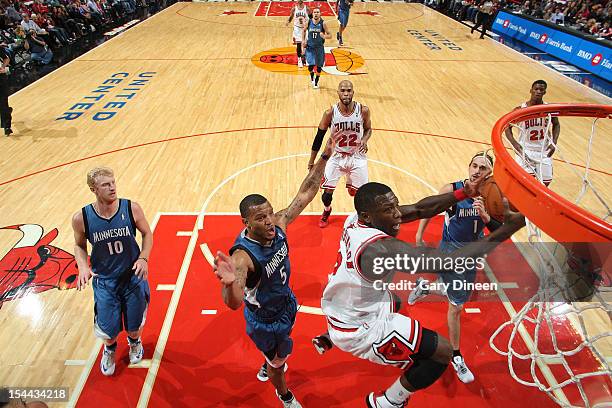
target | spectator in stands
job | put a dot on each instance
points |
(29, 25)
(557, 17)
(12, 13)
(38, 48)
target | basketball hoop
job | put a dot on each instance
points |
(572, 270)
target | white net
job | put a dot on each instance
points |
(575, 289)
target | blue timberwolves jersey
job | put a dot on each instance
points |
(267, 290)
(314, 34)
(113, 241)
(462, 224)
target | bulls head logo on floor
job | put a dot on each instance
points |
(338, 61)
(33, 265)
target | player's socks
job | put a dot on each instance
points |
(112, 347)
(457, 353)
(132, 340)
(397, 394)
(311, 76)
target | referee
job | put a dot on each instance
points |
(5, 109)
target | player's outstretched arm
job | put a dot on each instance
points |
(367, 129)
(430, 206)
(308, 190)
(447, 188)
(382, 258)
(318, 140)
(232, 272)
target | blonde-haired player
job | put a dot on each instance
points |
(119, 268)
(534, 149)
(299, 14)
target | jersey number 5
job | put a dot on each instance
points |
(350, 140)
(283, 275)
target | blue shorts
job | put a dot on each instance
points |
(272, 338)
(119, 305)
(343, 16)
(315, 56)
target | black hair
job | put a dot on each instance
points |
(250, 201)
(365, 198)
(540, 82)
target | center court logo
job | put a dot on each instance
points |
(338, 61)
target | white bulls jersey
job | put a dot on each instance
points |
(534, 136)
(347, 130)
(300, 17)
(350, 299)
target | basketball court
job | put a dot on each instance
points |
(202, 104)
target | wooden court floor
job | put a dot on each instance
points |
(178, 108)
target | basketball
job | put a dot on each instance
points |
(493, 198)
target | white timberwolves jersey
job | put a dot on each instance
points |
(347, 130)
(350, 298)
(300, 17)
(534, 136)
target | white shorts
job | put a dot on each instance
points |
(390, 340)
(297, 34)
(540, 165)
(354, 167)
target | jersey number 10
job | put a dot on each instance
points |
(115, 247)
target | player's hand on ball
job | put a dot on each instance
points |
(479, 205)
(224, 268)
(141, 268)
(513, 218)
(470, 188)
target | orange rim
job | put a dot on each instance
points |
(553, 214)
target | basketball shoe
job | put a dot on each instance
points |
(292, 403)
(136, 351)
(463, 372)
(300, 64)
(324, 221)
(322, 343)
(262, 374)
(419, 291)
(379, 400)
(107, 364)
